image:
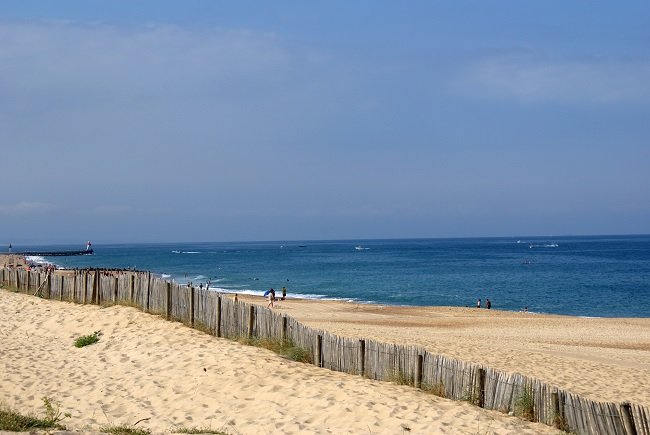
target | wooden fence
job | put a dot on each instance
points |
(223, 317)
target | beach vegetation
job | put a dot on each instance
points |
(285, 348)
(525, 404)
(86, 340)
(200, 430)
(470, 396)
(560, 422)
(400, 378)
(200, 326)
(435, 389)
(124, 429)
(11, 420)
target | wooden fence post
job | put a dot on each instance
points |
(251, 320)
(362, 357)
(218, 326)
(418, 371)
(17, 281)
(480, 397)
(132, 289)
(284, 328)
(61, 292)
(169, 300)
(555, 407)
(49, 285)
(115, 296)
(27, 284)
(148, 291)
(628, 420)
(85, 286)
(74, 287)
(192, 297)
(319, 351)
(94, 298)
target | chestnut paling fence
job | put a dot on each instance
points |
(455, 379)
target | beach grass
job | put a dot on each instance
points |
(200, 430)
(435, 389)
(399, 378)
(11, 420)
(86, 340)
(285, 348)
(524, 405)
(124, 429)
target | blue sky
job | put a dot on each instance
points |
(151, 121)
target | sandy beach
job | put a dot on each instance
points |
(144, 367)
(605, 359)
(174, 377)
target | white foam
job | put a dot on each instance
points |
(278, 294)
(37, 259)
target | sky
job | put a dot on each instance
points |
(170, 121)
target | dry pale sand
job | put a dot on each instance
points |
(603, 359)
(145, 367)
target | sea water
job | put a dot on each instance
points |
(607, 276)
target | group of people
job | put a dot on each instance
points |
(488, 304)
(271, 295)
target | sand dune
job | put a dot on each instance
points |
(146, 368)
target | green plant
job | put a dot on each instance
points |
(399, 378)
(11, 420)
(525, 404)
(200, 430)
(286, 348)
(470, 396)
(86, 340)
(436, 389)
(560, 422)
(124, 430)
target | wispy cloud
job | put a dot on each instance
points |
(97, 60)
(586, 81)
(26, 208)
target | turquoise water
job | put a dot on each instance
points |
(605, 276)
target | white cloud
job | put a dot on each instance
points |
(526, 80)
(97, 60)
(26, 208)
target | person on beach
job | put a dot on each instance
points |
(478, 303)
(271, 298)
(284, 293)
(488, 304)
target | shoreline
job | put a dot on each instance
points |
(23, 261)
(604, 359)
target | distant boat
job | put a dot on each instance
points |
(360, 248)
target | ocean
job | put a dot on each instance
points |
(599, 276)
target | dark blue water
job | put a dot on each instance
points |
(589, 276)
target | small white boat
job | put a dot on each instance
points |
(359, 248)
